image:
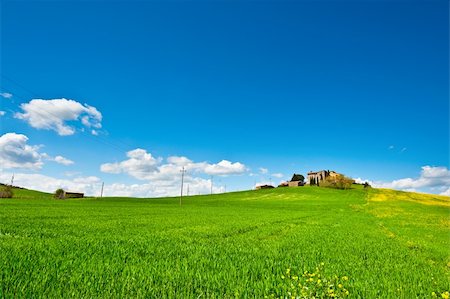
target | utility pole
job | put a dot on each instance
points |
(101, 193)
(188, 190)
(211, 184)
(182, 181)
(225, 188)
(12, 180)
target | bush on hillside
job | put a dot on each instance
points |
(59, 194)
(298, 177)
(337, 182)
(6, 192)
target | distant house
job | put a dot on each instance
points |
(73, 195)
(264, 187)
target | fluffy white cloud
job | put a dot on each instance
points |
(2, 113)
(164, 178)
(225, 167)
(62, 160)
(432, 179)
(278, 175)
(16, 153)
(139, 165)
(55, 115)
(144, 166)
(6, 95)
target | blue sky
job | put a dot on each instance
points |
(289, 86)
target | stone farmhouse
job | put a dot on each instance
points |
(315, 177)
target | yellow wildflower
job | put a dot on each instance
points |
(445, 295)
(344, 277)
(340, 286)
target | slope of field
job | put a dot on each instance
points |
(360, 244)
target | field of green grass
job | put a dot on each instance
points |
(353, 243)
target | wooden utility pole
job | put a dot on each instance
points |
(101, 192)
(182, 181)
(211, 185)
(12, 180)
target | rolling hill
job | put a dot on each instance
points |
(285, 242)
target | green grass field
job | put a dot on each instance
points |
(354, 243)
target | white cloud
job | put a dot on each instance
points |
(225, 167)
(2, 113)
(263, 170)
(16, 153)
(432, 179)
(55, 115)
(179, 161)
(139, 165)
(144, 166)
(278, 175)
(6, 95)
(164, 178)
(62, 160)
(391, 147)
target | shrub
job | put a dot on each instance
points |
(6, 192)
(337, 182)
(298, 177)
(59, 194)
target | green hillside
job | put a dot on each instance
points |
(353, 243)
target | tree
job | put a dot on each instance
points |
(59, 194)
(337, 182)
(6, 191)
(298, 177)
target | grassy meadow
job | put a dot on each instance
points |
(286, 242)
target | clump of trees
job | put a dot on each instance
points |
(337, 182)
(298, 177)
(59, 194)
(6, 191)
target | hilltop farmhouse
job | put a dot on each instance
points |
(315, 177)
